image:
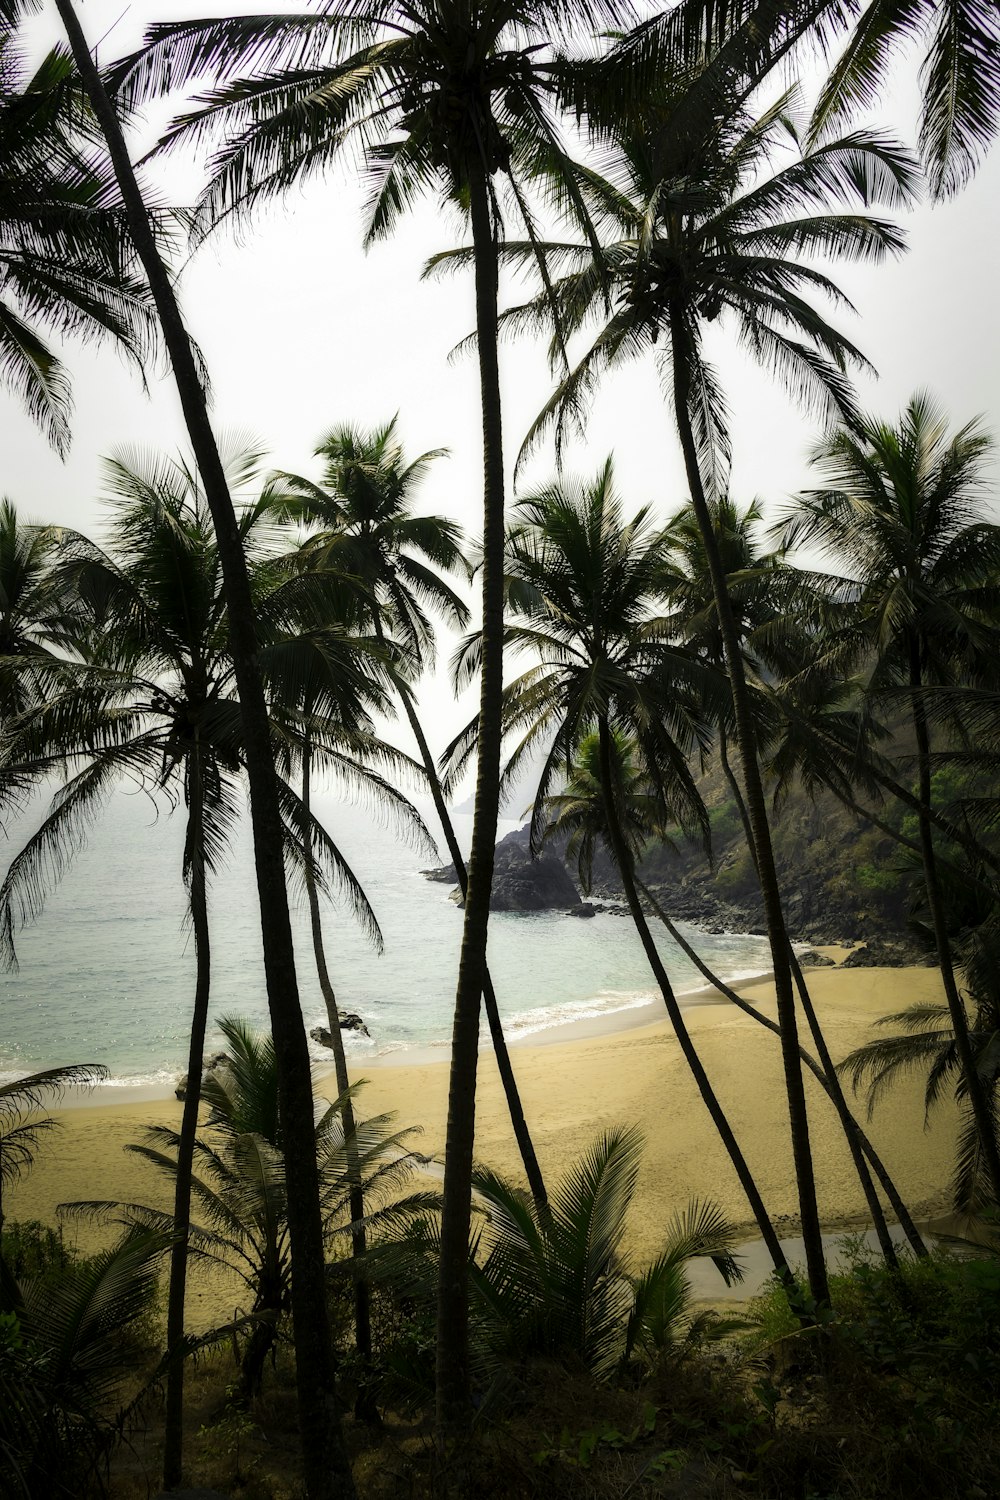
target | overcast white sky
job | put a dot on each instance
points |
(301, 330)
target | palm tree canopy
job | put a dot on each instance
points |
(697, 224)
(151, 696)
(903, 512)
(425, 90)
(361, 519)
(583, 588)
(65, 261)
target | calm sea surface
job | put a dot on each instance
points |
(107, 972)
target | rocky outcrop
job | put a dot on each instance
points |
(812, 960)
(880, 953)
(349, 1021)
(521, 883)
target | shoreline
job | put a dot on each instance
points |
(630, 1017)
(572, 1089)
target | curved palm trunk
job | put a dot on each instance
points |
(453, 1392)
(522, 1135)
(833, 1087)
(899, 1208)
(970, 1073)
(326, 1466)
(798, 1117)
(173, 1436)
(362, 1298)
(721, 1123)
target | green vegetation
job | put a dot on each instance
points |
(235, 631)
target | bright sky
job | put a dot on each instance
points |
(301, 330)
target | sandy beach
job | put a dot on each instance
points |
(572, 1089)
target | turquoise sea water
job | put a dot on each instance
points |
(106, 974)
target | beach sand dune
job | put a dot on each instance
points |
(572, 1090)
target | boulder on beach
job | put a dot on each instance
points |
(349, 1021)
(813, 960)
(217, 1060)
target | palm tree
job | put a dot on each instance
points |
(68, 1345)
(240, 1187)
(698, 228)
(364, 515)
(458, 97)
(902, 509)
(926, 1039)
(559, 1287)
(581, 586)
(577, 816)
(327, 1469)
(22, 1129)
(153, 701)
(959, 78)
(64, 262)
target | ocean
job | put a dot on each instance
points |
(106, 973)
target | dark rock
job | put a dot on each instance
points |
(879, 953)
(443, 874)
(813, 960)
(348, 1022)
(521, 883)
(583, 910)
(216, 1061)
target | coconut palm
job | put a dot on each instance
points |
(22, 1128)
(924, 1039)
(362, 513)
(582, 585)
(67, 1345)
(153, 702)
(902, 511)
(559, 1287)
(327, 1469)
(64, 261)
(461, 99)
(240, 1188)
(578, 818)
(698, 226)
(959, 76)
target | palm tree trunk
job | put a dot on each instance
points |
(899, 1208)
(833, 1087)
(453, 1390)
(798, 1117)
(624, 862)
(522, 1135)
(963, 1045)
(364, 1407)
(173, 1435)
(326, 1466)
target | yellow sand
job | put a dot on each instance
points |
(573, 1089)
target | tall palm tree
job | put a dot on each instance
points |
(698, 227)
(363, 514)
(582, 583)
(326, 1466)
(902, 510)
(64, 260)
(152, 701)
(461, 98)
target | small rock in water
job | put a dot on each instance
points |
(348, 1022)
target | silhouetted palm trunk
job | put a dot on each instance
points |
(757, 808)
(522, 1135)
(899, 1208)
(364, 1408)
(963, 1045)
(326, 1467)
(173, 1435)
(623, 860)
(833, 1086)
(453, 1391)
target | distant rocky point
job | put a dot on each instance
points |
(521, 883)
